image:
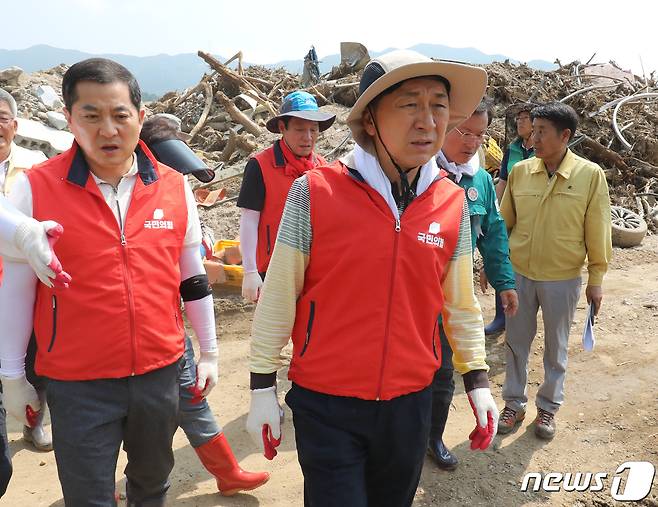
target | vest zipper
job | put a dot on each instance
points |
(398, 228)
(54, 334)
(269, 244)
(127, 281)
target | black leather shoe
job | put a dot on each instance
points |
(441, 455)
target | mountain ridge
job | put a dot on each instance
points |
(149, 69)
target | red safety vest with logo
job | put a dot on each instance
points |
(121, 314)
(277, 182)
(366, 321)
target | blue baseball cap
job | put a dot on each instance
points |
(301, 104)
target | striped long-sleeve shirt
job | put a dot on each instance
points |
(275, 314)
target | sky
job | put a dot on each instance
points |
(270, 31)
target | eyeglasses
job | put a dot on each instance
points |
(467, 136)
(522, 118)
(5, 120)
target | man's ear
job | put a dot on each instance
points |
(565, 136)
(368, 122)
(67, 115)
(281, 125)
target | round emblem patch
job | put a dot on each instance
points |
(472, 194)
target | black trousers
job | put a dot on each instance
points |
(360, 453)
(90, 420)
(6, 469)
(443, 388)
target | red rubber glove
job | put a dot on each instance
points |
(62, 278)
(486, 418)
(269, 442)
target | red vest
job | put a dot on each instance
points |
(366, 320)
(277, 185)
(121, 315)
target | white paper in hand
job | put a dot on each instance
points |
(588, 333)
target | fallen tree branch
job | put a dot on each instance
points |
(324, 99)
(231, 146)
(237, 55)
(187, 94)
(604, 153)
(206, 109)
(246, 144)
(257, 80)
(238, 81)
(225, 72)
(263, 102)
(236, 115)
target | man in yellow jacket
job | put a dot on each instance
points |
(557, 211)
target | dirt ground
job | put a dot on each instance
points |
(610, 415)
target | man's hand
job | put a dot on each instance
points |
(36, 239)
(594, 294)
(510, 301)
(251, 285)
(264, 420)
(484, 282)
(486, 418)
(207, 372)
(21, 400)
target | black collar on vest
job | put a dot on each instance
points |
(356, 174)
(279, 159)
(79, 170)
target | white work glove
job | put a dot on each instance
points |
(264, 420)
(251, 285)
(486, 418)
(35, 240)
(207, 372)
(20, 399)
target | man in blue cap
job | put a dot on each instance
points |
(268, 178)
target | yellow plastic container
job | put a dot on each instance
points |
(493, 155)
(234, 273)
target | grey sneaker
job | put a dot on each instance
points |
(508, 419)
(544, 424)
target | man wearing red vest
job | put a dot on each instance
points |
(111, 344)
(371, 251)
(268, 178)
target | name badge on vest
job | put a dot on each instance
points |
(472, 194)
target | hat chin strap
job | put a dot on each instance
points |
(406, 188)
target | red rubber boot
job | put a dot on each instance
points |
(216, 455)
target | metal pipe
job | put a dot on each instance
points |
(608, 105)
(615, 127)
(621, 130)
(587, 89)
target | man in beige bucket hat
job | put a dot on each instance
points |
(370, 252)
